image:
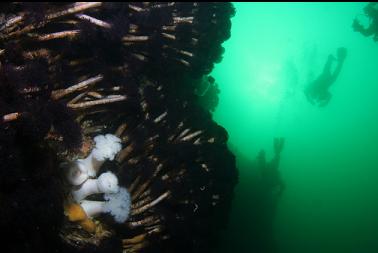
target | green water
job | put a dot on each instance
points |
(330, 160)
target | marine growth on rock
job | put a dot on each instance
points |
(76, 70)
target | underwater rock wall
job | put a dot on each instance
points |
(73, 71)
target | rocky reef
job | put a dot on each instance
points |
(77, 70)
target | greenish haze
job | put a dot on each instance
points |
(330, 161)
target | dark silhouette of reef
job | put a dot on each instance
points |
(258, 194)
(371, 12)
(30, 194)
(208, 93)
(70, 71)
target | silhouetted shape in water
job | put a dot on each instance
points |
(371, 11)
(271, 180)
(317, 91)
(269, 191)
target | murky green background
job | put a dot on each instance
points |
(330, 161)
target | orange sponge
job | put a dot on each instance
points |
(76, 213)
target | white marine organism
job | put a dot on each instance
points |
(106, 183)
(82, 176)
(106, 147)
(116, 204)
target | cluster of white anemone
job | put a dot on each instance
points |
(82, 175)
